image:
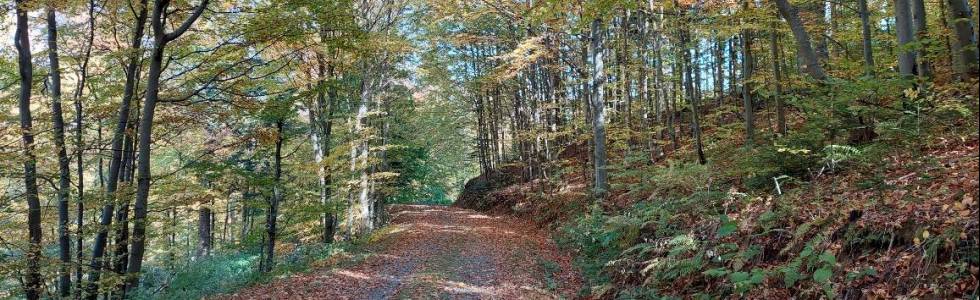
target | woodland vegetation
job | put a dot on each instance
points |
(683, 149)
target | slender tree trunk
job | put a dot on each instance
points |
(145, 131)
(806, 52)
(778, 82)
(115, 162)
(321, 119)
(869, 60)
(79, 150)
(747, 105)
(906, 36)
(33, 287)
(672, 106)
(273, 214)
(732, 59)
(599, 112)
(719, 70)
(692, 97)
(121, 241)
(921, 33)
(203, 231)
(64, 173)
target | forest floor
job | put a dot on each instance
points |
(439, 252)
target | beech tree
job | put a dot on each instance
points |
(218, 137)
(25, 68)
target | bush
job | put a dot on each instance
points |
(220, 273)
(224, 273)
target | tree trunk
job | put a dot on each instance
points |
(64, 173)
(806, 52)
(204, 231)
(598, 109)
(965, 42)
(121, 241)
(273, 214)
(921, 32)
(321, 119)
(732, 59)
(161, 38)
(115, 162)
(747, 105)
(33, 287)
(903, 30)
(79, 149)
(719, 70)
(777, 81)
(692, 97)
(869, 61)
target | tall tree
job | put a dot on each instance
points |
(64, 173)
(692, 97)
(869, 60)
(598, 81)
(965, 42)
(906, 37)
(25, 68)
(748, 106)
(321, 127)
(271, 223)
(792, 16)
(79, 162)
(119, 136)
(777, 82)
(921, 34)
(159, 16)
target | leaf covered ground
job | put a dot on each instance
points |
(438, 252)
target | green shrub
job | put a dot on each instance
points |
(224, 272)
(220, 273)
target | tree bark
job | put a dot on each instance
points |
(79, 149)
(203, 231)
(903, 30)
(273, 214)
(806, 52)
(921, 32)
(719, 70)
(115, 161)
(33, 287)
(747, 105)
(121, 252)
(161, 38)
(965, 42)
(778, 82)
(869, 61)
(693, 98)
(64, 173)
(598, 110)
(321, 119)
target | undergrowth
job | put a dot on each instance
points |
(226, 272)
(810, 214)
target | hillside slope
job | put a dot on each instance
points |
(886, 219)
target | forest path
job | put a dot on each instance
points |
(440, 252)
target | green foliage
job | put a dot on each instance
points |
(225, 272)
(596, 248)
(796, 155)
(676, 179)
(220, 273)
(727, 227)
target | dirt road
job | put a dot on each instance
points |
(438, 252)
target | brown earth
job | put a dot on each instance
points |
(438, 252)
